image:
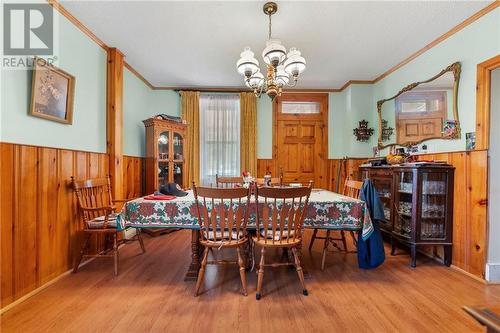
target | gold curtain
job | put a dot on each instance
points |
(190, 104)
(248, 130)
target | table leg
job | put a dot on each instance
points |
(194, 267)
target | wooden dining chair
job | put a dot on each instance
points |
(98, 211)
(279, 219)
(227, 182)
(222, 215)
(351, 189)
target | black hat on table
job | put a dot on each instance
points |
(172, 189)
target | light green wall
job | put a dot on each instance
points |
(139, 103)
(346, 109)
(264, 127)
(472, 45)
(337, 132)
(82, 58)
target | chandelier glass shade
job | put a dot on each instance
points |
(283, 69)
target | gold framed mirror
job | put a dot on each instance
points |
(421, 111)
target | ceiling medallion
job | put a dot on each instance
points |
(283, 69)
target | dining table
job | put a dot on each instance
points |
(326, 211)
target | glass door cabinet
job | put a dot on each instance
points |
(423, 206)
(418, 205)
(164, 153)
(383, 182)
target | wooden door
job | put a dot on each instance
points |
(301, 141)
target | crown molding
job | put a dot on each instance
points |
(457, 28)
(441, 38)
(64, 12)
(136, 73)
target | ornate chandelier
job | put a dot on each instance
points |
(282, 69)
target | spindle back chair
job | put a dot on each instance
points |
(222, 216)
(351, 189)
(228, 182)
(280, 213)
(97, 210)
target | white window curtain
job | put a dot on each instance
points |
(219, 136)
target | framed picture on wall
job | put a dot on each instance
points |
(52, 92)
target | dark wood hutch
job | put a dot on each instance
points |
(418, 205)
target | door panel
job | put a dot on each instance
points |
(300, 141)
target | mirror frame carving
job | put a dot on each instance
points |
(455, 68)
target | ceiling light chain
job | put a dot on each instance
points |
(283, 69)
(270, 27)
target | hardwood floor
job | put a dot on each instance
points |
(150, 295)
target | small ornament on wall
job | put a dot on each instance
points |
(386, 131)
(363, 133)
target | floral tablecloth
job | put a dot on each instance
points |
(326, 210)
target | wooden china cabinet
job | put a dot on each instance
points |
(164, 153)
(382, 178)
(418, 205)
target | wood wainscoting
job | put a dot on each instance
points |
(470, 201)
(39, 220)
(348, 168)
(133, 177)
(470, 211)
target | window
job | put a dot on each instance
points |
(219, 136)
(300, 107)
(421, 101)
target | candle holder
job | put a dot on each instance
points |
(363, 133)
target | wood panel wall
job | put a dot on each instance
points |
(39, 220)
(133, 177)
(470, 201)
(349, 168)
(470, 208)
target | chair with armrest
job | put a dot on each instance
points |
(98, 211)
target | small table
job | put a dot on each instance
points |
(327, 210)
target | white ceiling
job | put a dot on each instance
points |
(197, 44)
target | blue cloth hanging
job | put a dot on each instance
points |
(371, 252)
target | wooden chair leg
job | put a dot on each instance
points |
(79, 256)
(344, 241)
(260, 276)
(354, 240)
(201, 273)
(139, 238)
(313, 238)
(325, 248)
(115, 252)
(243, 277)
(300, 273)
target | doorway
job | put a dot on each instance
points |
(300, 137)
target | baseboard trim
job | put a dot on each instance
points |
(41, 288)
(475, 277)
(32, 293)
(493, 273)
